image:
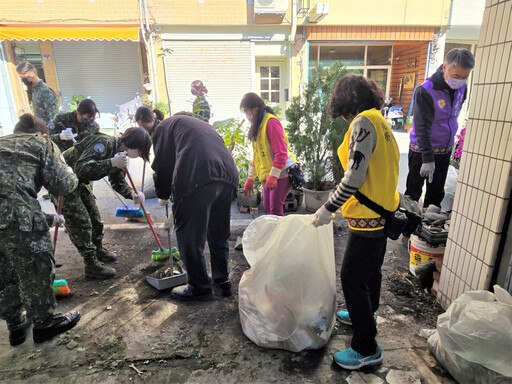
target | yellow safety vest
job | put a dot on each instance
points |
(262, 150)
(382, 175)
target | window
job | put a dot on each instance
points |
(269, 83)
(373, 61)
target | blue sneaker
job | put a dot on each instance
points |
(350, 359)
(343, 317)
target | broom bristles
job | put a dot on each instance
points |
(128, 211)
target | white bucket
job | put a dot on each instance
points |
(421, 252)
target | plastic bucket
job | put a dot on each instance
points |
(421, 252)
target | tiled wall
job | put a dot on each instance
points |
(484, 183)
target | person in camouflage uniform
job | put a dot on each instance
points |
(29, 162)
(44, 100)
(71, 127)
(97, 156)
(201, 107)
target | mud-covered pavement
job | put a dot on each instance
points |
(130, 332)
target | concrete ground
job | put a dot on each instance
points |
(130, 332)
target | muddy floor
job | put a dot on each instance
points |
(130, 332)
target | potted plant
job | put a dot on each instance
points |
(314, 138)
(234, 135)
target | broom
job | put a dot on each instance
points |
(125, 210)
(162, 253)
(59, 210)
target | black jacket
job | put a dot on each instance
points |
(189, 154)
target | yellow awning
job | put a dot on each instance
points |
(69, 33)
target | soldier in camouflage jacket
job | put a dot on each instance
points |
(68, 128)
(97, 156)
(44, 100)
(26, 262)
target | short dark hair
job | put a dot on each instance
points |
(88, 107)
(354, 94)
(461, 57)
(25, 67)
(30, 124)
(147, 115)
(137, 138)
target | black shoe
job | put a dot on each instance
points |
(105, 256)
(61, 323)
(225, 288)
(184, 293)
(18, 333)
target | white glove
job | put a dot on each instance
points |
(427, 171)
(169, 222)
(322, 217)
(68, 134)
(138, 198)
(163, 202)
(120, 160)
(58, 220)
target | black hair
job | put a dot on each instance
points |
(25, 67)
(30, 124)
(145, 114)
(137, 138)
(252, 100)
(88, 107)
(354, 94)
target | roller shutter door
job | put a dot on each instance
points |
(223, 66)
(108, 71)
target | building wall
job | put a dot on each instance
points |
(100, 10)
(218, 12)
(407, 58)
(484, 183)
(379, 12)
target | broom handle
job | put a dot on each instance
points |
(144, 210)
(169, 236)
(143, 177)
(59, 210)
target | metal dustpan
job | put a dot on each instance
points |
(169, 281)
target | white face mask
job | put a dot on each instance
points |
(132, 153)
(456, 83)
(249, 116)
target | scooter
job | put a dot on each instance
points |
(395, 117)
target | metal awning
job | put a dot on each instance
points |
(70, 32)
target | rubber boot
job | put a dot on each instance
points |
(104, 255)
(94, 269)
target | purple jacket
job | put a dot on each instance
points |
(436, 109)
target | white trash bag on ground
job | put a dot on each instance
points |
(287, 299)
(473, 340)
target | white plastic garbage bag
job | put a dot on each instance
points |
(287, 298)
(474, 337)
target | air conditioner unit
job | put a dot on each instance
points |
(318, 12)
(270, 7)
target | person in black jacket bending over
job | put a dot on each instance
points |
(194, 168)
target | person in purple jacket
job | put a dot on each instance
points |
(437, 104)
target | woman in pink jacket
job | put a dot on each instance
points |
(271, 154)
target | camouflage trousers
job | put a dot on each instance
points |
(26, 276)
(83, 220)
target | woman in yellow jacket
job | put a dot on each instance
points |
(370, 157)
(271, 154)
